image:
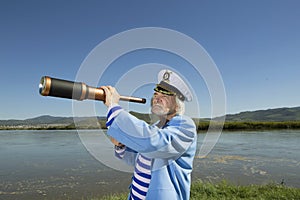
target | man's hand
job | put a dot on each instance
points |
(115, 142)
(112, 97)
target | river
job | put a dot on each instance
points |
(56, 165)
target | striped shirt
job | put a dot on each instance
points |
(112, 113)
(141, 178)
(142, 172)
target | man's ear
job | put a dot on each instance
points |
(176, 108)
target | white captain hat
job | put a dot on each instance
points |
(171, 83)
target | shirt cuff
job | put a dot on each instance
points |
(112, 113)
(120, 151)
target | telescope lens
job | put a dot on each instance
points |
(43, 88)
(40, 87)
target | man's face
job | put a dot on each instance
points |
(163, 104)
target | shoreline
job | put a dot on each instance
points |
(201, 126)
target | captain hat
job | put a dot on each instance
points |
(171, 83)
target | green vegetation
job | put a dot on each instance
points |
(249, 125)
(202, 126)
(227, 191)
(271, 119)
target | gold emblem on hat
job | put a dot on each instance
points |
(166, 76)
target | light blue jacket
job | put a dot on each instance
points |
(172, 149)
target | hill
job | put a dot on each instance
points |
(269, 115)
(280, 115)
(47, 121)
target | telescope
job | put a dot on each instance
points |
(76, 90)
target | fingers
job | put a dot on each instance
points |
(107, 95)
(108, 89)
(114, 141)
(111, 95)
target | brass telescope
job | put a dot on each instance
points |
(76, 90)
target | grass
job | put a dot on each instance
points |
(232, 126)
(226, 191)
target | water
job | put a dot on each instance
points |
(254, 157)
(52, 165)
(56, 165)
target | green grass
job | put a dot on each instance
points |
(232, 126)
(227, 191)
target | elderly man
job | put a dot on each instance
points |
(162, 153)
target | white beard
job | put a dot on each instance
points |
(159, 110)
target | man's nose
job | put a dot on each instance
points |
(157, 99)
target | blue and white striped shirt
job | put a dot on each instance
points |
(142, 173)
(170, 150)
(141, 178)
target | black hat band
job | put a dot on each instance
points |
(168, 89)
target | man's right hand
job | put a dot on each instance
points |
(112, 96)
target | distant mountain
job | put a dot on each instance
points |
(45, 119)
(271, 115)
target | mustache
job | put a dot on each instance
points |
(161, 106)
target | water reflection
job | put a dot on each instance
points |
(55, 164)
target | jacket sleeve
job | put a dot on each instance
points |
(152, 141)
(127, 155)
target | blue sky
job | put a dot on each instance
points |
(255, 45)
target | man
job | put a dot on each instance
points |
(162, 153)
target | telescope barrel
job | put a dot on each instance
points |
(76, 90)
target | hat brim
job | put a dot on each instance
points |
(163, 90)
(168, 89)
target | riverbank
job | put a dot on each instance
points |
(224, 190)
(202, 126)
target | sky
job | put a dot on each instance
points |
(254, 45)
